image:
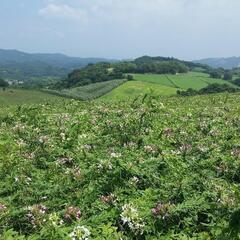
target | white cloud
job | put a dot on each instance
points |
(63, 11)
(183, 28)
(138, 11)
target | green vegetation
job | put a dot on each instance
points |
(193, 80)
(88, 92)
(102, 72)
(163, 84)
(3, 83)
(20, 96)
(210, 89)
(21, 66)
(237, 81)
(151, 168)
(162, 67)
(92, 73)
(134, 89)
(228, 75)
(27, 71)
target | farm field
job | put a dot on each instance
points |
(133, 89)
(161, 84)
(89, 92)
(11, 97)
(158, 84)
(193, 80)
(150, 168)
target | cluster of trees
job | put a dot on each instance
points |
(3, 83)
(220, 73)
(237, 81)
(164, 67)
(92, 73)
(189, 65)
(211, 88)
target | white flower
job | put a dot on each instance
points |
(130, 217)
(116, 155)
(134, 180)
(55, 220)
(80, 233)
(63, 136)
(43, 139)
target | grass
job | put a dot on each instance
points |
(152, 168)
(11, 97)
(133, 89)
(193, 80)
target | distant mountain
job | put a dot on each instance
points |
(55, 59)
(227, 63)
(19, 65)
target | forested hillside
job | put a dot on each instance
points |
(16, 65)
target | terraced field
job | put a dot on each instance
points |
(89, 92)
(193, 80)
(135, 88)
(162, 84)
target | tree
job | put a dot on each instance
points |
(237, 81)
(3, 83)
(216, 74)
(129, 77)
(228, 75)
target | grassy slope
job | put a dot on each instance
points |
(162, 84)
(19, 96)
(136, 88)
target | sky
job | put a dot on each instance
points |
(122, 29)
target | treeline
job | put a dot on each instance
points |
(92, 73)
(211, 88)
(165, 67)
(3, 83)
(221, 73)
(159, 65)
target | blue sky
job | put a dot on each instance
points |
(187, 29)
